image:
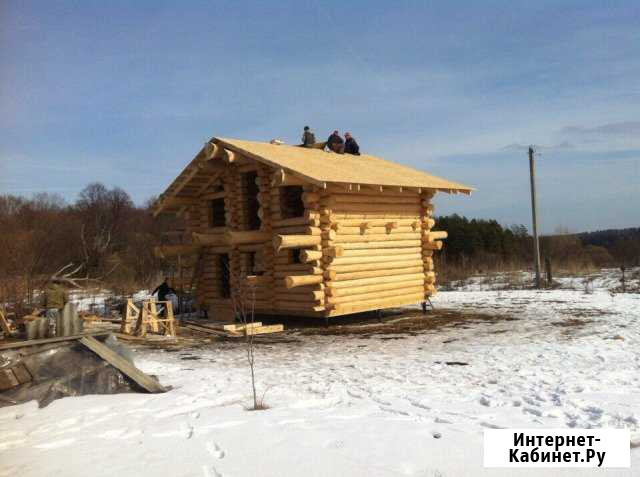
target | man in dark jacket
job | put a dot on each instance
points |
(335, 143)
(308, 138)
(163, 290)
(350, 145)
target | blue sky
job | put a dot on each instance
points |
(127, 92)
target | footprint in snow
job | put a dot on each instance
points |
(210, 471)
(418, 404)
(215, 450)
(439, 420)
(334, 444)
(530, 410)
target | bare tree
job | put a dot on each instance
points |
(243, 300)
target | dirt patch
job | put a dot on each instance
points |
(585, 312)
(400, 322)
(572, 323)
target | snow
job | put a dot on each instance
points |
(362, 404)
(605, 279)
(94, 301)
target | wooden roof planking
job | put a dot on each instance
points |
(314, 165)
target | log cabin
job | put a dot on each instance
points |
(313, 233)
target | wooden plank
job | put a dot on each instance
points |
(4, 324)
(204, 329)
(8, 380)
(118, 362)
(261, 330)
(20, 344)
(21, 373)
(241, 327)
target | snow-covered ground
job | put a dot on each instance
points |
(358, 401)
(609, 279)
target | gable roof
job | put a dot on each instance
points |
(325, 167)
(314, 165)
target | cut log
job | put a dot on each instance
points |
(433, 235)
(378, 245)
(209, 239)
(386, 251)
(337, 208)
(336, 251)
(373, 222)
(374, 258)
(247, 237)
(337, 277)
(366, 238)
(296, 306)
(389, 277)
(329, 291)
(334, 300)
(359, 306)
(375, 199)
(298, 230)
(295, 241)
(297, 270)
(362, 267)
(342, 217)
(437, 245)
(280, 287)
(302, 280)
(310, 255)
(315, 222)
(329, 274)
(303, 297)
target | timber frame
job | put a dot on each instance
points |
(289, 221)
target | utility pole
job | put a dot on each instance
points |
(536, 244)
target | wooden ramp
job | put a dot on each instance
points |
(233, 330)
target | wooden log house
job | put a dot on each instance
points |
(316, 233)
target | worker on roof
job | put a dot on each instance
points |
(335, 143)
(308, 138)
(350, 145)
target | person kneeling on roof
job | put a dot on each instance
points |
(350, 145)
(308, 138)
(335, 143)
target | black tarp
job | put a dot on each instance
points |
(61, 369)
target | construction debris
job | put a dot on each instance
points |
(6, 329)
(49, 369)
(139, 321)
(233, 330)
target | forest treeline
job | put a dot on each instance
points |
(480, 246)
(102, 230)
(113, 240)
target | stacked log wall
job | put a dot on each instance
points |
(379, 235)
(297, 237)
(209, 281)
(350, 250)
